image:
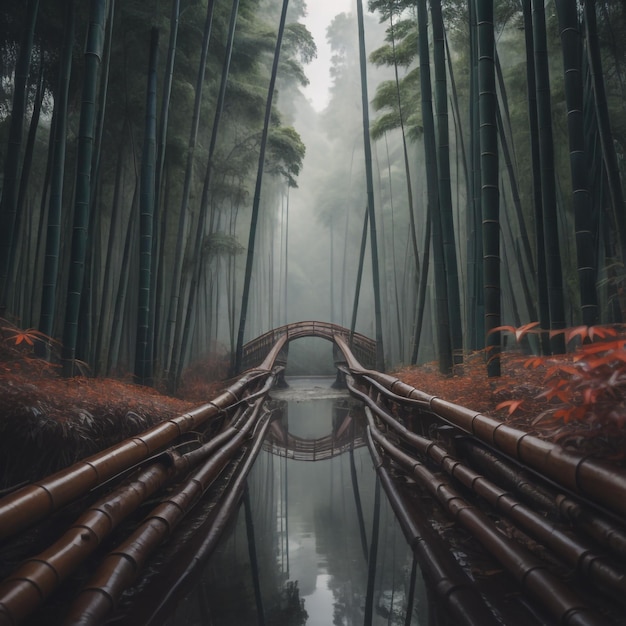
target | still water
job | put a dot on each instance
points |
(298, 550)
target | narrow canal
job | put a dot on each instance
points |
(299, 548)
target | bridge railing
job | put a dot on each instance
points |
(255, 351)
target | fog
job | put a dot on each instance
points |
(326, 209)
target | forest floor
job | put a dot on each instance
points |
(47, 422)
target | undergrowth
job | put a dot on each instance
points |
(577, 399)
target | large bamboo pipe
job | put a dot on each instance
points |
(121, 567)
(581, 474)
(531, 574)
(24, 590)
(32, 503)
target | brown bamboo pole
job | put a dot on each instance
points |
(603, 531)
(37, 500)
(27, 588)
(121, 567)
(581, 556)
(452, 586)
(532, 575)
(36, 579)
(581, 474)
(148, 607)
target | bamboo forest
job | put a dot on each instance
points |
(313, 312)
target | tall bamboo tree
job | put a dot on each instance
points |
(489, 196)
(10, 181)
(607, 144)
(445, 190)
(144, 344)
(444, 344)
(554, 274)
(380, 359)
(543, 306)
(93, 54)
(159, 214)
(571, 44)
(59, 137)
(475, 290)
(257, 191)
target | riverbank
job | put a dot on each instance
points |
(48, 422)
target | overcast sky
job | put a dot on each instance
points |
(320, 15)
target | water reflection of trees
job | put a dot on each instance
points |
(326, 500)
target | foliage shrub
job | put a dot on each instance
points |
(587, 385)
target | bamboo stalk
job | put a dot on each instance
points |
(193, 555)
(530, 572)
(599, 529)
(34, 581)
(121, 567)
(37, 500)
(587, 476)
(439, 567)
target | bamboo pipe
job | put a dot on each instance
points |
(577, 554)
(448, 579)
(561, 506)
(32, 503)
(23, 591)
(121, 567)
(193, 555)
(582, 557)
(531, 574)
(587, 476)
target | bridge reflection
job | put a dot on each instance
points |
(348, 433)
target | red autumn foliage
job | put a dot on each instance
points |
(577, 399)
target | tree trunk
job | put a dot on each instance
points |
(257, 193)
(489, 197)
(444, 345)
(144, 345)
(604, 126)
(583, 218)
(53, 238)
(533, 122)
(445, 191)
(380, 354)
(93, 53)
(554, 276)
(10, 182)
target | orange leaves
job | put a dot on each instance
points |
(518, 332)
(510, 405)
(28, 337)
(591, 333)
(588, 385)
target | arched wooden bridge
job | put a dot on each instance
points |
(547, 526)
(256, 351)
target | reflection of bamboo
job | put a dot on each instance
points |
(411, 598)
(254, 564)
(34, 502)
(529, 571)
(439, 567)
(357, 500)
(372, 560)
